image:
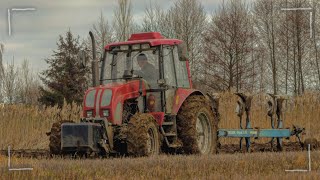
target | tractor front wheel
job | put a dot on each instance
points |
(197, 126)
(143, 136)
(55, 137)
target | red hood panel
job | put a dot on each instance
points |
(121, 91)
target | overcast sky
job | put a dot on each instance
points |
(34, 33)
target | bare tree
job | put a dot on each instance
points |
(1, 65)
(153, 17)
(185, 20)
(123, 20)
(20, 84)
(316, 38)
(28, 91)
(266, 17)
(158, 20)
(228, 46)
(103, 33)
(189, 22)
(10, 83)
(295, 32)
(255, 49)
(1, 72)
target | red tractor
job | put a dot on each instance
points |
(143, 104)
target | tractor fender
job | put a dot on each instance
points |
(180, 96)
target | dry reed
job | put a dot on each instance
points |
(25, 126)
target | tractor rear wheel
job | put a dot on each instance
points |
(55, 137)
(143, 135)
(197, 126)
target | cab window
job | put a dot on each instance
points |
(168, 62)
(181, 70)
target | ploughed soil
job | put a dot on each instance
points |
(258, 147)
(223, 149)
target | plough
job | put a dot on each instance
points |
(276, 132)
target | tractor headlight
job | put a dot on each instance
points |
(145, 46)
(105, 112)
(124, 47)
(135, 46)
(89, 113)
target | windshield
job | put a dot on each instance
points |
(122, 65)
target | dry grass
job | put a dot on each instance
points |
(225, 166)
(25, 127)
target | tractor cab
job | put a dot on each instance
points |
(149, 56)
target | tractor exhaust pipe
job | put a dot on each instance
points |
(95, 70)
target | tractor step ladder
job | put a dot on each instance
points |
(169, 132)
(167, 123)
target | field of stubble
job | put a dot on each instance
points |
(221, 166)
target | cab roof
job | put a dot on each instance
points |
(152, 38)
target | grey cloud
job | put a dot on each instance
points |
(57, 3)
(36, 33)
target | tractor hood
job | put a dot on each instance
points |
(105, 101)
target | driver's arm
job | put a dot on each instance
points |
(139, 73)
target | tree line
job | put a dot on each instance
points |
(251, 46)
(19, 84)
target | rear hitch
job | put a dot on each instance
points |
(244, 105)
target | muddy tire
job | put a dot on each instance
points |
(55, 137)
(197, 126)
(143, 137)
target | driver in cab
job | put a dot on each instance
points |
(148, 72)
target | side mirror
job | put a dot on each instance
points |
(161, 82)
(183, 52)
(82, 59)
(127, 74)
(101, 57)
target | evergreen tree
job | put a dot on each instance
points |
(64, 79)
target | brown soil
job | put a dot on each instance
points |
(224, 149)
(314, 144)
(259, 147)
(186, 123)
(137, 135)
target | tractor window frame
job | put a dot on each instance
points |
(181, 70)
(169, 66)
(116, 61)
